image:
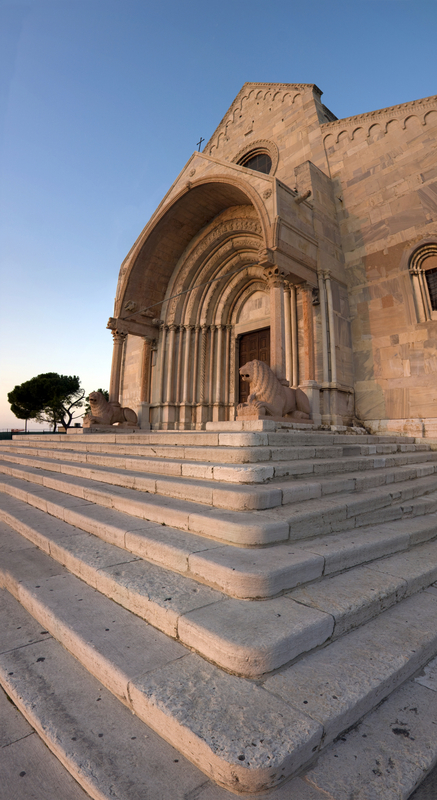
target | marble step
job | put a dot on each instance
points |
(244, 573)
(300, 465)
(244, 638)
(216, 493)
(248, 639)
(299, 710)
(110, 747)
(251, 528)
(247, 448)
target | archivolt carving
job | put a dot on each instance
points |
(209, 256)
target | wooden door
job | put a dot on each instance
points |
(253, 346)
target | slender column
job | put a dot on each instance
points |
(425, 294)
(161, 371)
(195, 363)
(287, 317)
(179, 365)
(203, 363)
(211, 364)
(294, 339)
(418, 296)
(145, 370)
(144, 408)
(219, 365)
(169, 370)
(188, 329)
(117, 354)
(307, 309)
(275, 281)
(325, 358)
(331, 318)
(227, 362)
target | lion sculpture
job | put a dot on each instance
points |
(269, 397)
(104, 412)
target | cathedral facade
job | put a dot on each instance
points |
(298, 239)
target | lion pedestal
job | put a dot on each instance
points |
(269, 398)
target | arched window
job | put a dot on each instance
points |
(257, 160)
(423, 271)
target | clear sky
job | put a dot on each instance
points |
(101, 104)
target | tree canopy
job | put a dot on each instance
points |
(48, 397)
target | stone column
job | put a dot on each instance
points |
(185, 396)
(336, 419)
(425, 294)
(310, 385)
(201, 406)
(294, 339)
(275, 280)
(179, 364)
(211, 365)
(418, 295)
(331, 318)
(227, 364)
(195, 364)
(169, 369)
(307, 309)
(325, 358)
(146, 358)
(288, 345)
(117, 355)
(185, 407)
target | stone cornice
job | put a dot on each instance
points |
(391, 112)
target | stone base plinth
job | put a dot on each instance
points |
(102, 429)
(263, 424)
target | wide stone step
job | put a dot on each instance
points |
(246, 573)
(238, 734)
(248, 473)
(244, 638)
(234, 497)
(204, 712)
(298, 521)
(221, 447)
(224, 630)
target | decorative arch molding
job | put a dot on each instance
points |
(260, 146)
(425, 111)
(228, 244)
(421, 262)
(172, 230)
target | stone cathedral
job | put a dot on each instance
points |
(298, 239)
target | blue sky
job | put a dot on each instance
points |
(101, 104)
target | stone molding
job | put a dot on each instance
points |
(418, 108)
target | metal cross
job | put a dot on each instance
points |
(199, 143)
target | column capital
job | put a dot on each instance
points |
(274, 276)
(118, 336)
(326, 274)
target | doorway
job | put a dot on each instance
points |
(253, 346)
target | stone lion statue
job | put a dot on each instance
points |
(104, 412)
(269, 397)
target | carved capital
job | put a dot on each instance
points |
(274, 276)
(118, 336)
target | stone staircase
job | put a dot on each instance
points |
(250, 595)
